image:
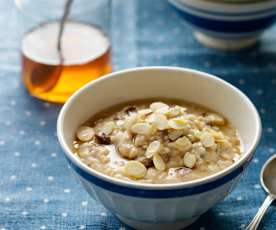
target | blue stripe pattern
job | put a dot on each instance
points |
(182, 6)
(157, 194)
(228, 26)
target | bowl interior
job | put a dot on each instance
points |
(162, 82)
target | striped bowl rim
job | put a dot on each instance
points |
(239, 28)
(153, 193)
(227, 9)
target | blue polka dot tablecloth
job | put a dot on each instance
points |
(37, 190)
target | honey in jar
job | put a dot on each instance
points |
(85, 52)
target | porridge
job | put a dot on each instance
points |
(157, 142)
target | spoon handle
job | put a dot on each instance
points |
(257, 219)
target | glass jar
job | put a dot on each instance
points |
(53, 74)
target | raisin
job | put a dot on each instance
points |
(146, 162)
(103, 139)
(130, 109)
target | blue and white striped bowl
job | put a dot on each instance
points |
(157, 206)
(227, 25)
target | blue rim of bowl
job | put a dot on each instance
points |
(256, 25)
(234, 169)
(256, 13)
(156, 194)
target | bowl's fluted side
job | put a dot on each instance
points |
(159, 210)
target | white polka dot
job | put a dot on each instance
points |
(46, 200)
(13, 102)
(262, 110)
(2, 143)
(221, 214)
(43, 123)
(21, 132)
(13, 177)
(269, 129)
(224, 71)
(122, 228)
(242, 226)
(257, 186)
(144, 14)
(160, 7)
(34, 165)
(207, 64)
(82, 226)
(53, 155)
(84, 203)
(50, 178)
(46, 105)
(116, 32)
(3, 229)
(8, 199)
(259, 92)
(132, 56)
(16, 86)
(37, 142)
(271, 150)
(160, 38)
(43, 227)
(17, 154)
(8, 123)
(241, 81)
(239, 198)
(67, 190)
(201, 228)
(103, 214)
(130, 26)
(116, 67)
(29, 189)
(28, 113)
(25, 213)
(256, 160)
(176, 30)
(64, 214)
(159, 56)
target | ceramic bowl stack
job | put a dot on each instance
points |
(227, 24)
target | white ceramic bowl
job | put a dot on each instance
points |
(227, 24)
(170, 206)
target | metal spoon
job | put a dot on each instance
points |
(268, 181)
(45, 77)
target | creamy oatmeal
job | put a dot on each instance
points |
(158, 142)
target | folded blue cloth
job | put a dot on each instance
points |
(37, 190)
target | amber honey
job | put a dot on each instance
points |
(85, 52)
